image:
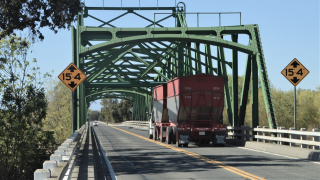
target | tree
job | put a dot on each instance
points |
(115, 112)
(93, 115)
(59, 113)
(35, 14)
(307, 110)
(124, 110)
(24, 145)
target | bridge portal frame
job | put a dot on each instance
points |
(177, 58)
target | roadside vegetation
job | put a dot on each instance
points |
(24, 143)
(59, 111)
(26, 136)
(307, 104)
(114, 111)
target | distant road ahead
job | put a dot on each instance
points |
(133, 156)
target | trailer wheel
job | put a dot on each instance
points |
(154, 133)
(202, 141)
(161, 135)
(169, 131)
(207, 141)
(212, 140)
(185, 145)
(174, 135)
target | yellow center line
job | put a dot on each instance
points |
(220, 164)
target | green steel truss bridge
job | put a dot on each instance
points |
(128, 62)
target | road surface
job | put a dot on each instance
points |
(133, 156)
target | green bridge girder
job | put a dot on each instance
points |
(130, 61)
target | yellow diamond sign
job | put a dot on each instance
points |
(295, 72)
(72, 76)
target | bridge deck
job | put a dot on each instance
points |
(133, 156)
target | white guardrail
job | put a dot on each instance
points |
(137, 124)
(62, 160)
(282, 136)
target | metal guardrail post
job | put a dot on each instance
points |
(280, 135)
(292, 136)
(242, 133)
(315, 138)
(259, 134)
(247, 133)
(265, 134)
(303, 137)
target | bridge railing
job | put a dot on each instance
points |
(137, 124)
(290, 137)
(63, 157)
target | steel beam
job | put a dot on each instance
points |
(235, 82)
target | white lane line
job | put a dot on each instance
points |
(277, 154)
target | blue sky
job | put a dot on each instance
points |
(289, 29)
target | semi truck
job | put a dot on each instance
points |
(189, 109)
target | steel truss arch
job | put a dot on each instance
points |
(133, 60)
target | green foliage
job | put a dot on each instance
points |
(35, 14)
(124, 110)
(115, 112)
(59, 113)
(93, 115)
(308, 107)
(24, 145)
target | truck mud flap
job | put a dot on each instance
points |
(183, 137)
(219, 137)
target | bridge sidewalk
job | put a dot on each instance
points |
(84, 167)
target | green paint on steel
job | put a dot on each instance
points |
(130, 61)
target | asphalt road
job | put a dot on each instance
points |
(133, 156)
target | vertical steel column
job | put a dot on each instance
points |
(226, 85)
(188, 52)
(78, 63)
(219, 73)
(186, 63)
(74, 93)
(173, 63)
(208, 60)
(142, 109)
(81, 88)
(170, 75)
(146, 106)
(254, 92)
(135, 107)
(245, 91)
(198, 58)
(181, 61)
(235, 82)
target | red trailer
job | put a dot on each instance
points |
(189, 108)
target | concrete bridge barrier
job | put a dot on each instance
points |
(62, 160)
